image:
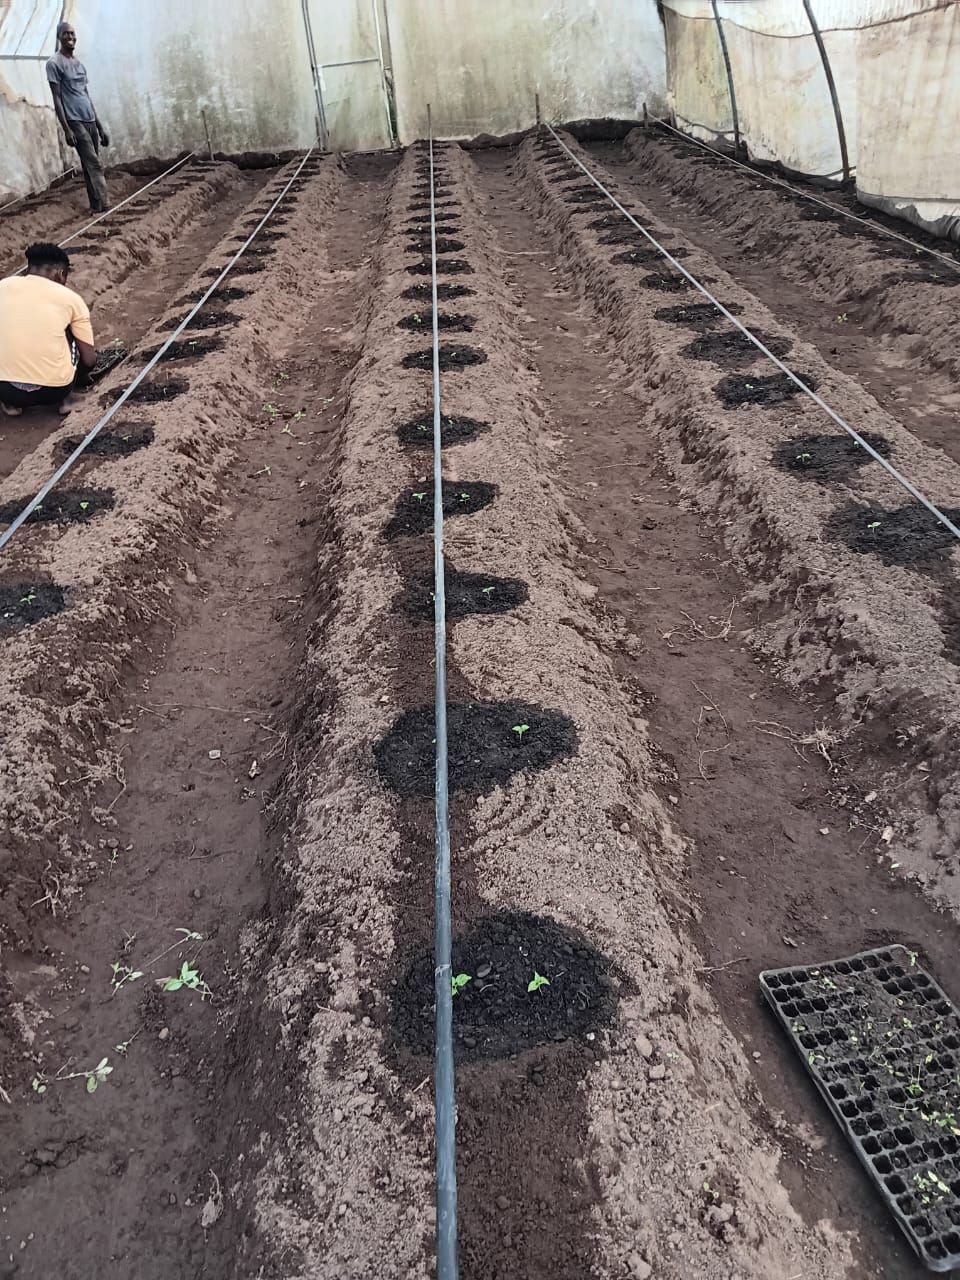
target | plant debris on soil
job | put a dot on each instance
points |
(414, 511)
(454, 429)
(882, 1043)
(69, 506)
(423, 322)
(496, 1014)
(25, 603)
(116, 441)
(907, 535)
(768, 390)
(827, 458)
(734, 349)
(466, 593)
(489, 742)
(451, 356)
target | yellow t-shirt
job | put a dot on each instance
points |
(34, 314)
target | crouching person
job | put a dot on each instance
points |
(46, 339)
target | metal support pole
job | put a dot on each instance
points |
(315, 70)
(646, 118)
(832, 86)
(206, 129)
(726, 63)
(536, 98)
(384, 87)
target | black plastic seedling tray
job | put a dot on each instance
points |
(882, 1042)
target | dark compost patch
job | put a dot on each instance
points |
(117, 441)
(443, 246)
(423, 229)
(186, 349)
(445, 267)
(453, 430)
(452, 356)
(69, 506)
(466, 594)
(907, 535)
(23, 604)
(486, 748)
(422, 322)
(766, 390)
(696, 315)
(414, 510)
(827, 458)
(641, 257)
(665, 283)
(226, 293)
(246, 269)
(733, 349)
(151, 391)
(445, 292)
(205, 319)
(881, 1042)
(267, 237)
(495, 1014)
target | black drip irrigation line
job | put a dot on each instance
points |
(147, 368)
(445, 1105)
(794, 378)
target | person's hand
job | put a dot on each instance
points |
(69, 139)
(104, 140)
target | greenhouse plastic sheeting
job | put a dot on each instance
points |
(896, 64)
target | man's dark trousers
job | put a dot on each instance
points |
(88, 149)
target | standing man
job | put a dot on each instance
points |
(77, 114)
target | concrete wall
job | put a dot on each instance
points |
(479, 62)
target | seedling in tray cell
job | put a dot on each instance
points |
(931, 1187)
(537, 982)
(460, 981)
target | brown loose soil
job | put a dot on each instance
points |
(695, 734)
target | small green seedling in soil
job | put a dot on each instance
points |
(187, 977)
(271, 411)
(537, 982)
(94, 1078)
(874, 525)
(419, 496)
(714, 1195)
(28, 599)
(299, 415)
(460, 981)
(748, 385)
(842, 318)
(487, 591)
(125, 1045)
(84, 506)
(804, 457)
(520, 730)
(464, 497)
(124, 973)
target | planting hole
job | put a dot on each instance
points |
(414, 511)
(766, 390)
(22, 604)
(445, 292)
(485, 742)
(185, 349)
(466, 593)
(642, 257)
(422, 322)
(907, 535)
(443, 246)
(453, 430)
(733, 349)
(445, 267)
(117, 441)
(497, 1015)
(827, 458)
(151, 391)
(205, 320)
(71, 506)
(695, 315)
(452, 356)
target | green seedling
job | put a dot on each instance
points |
(84, 506)
(460, 981)
(804, 457)
(122, 974)
(931, 1186)
(748, 385)
(464, 497)
(271, 411)
(537, 982)
(874, 525)
(842, 318)
(520, 730)
(828, 983)
(914, 956)
(420, 496)
(487, 591)
(264, 471)
(187, 977)
(418, 319)
(279, 380)
(299, 415)
(28, 599)
(125, 1045)
(714, 1195)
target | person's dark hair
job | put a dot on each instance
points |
(47, 255)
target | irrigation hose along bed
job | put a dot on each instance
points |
(445, 1117)
(148, 367)
(794, 378)
(116, 207)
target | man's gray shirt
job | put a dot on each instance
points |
(71, 77)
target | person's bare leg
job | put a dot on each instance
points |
(10, 410)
